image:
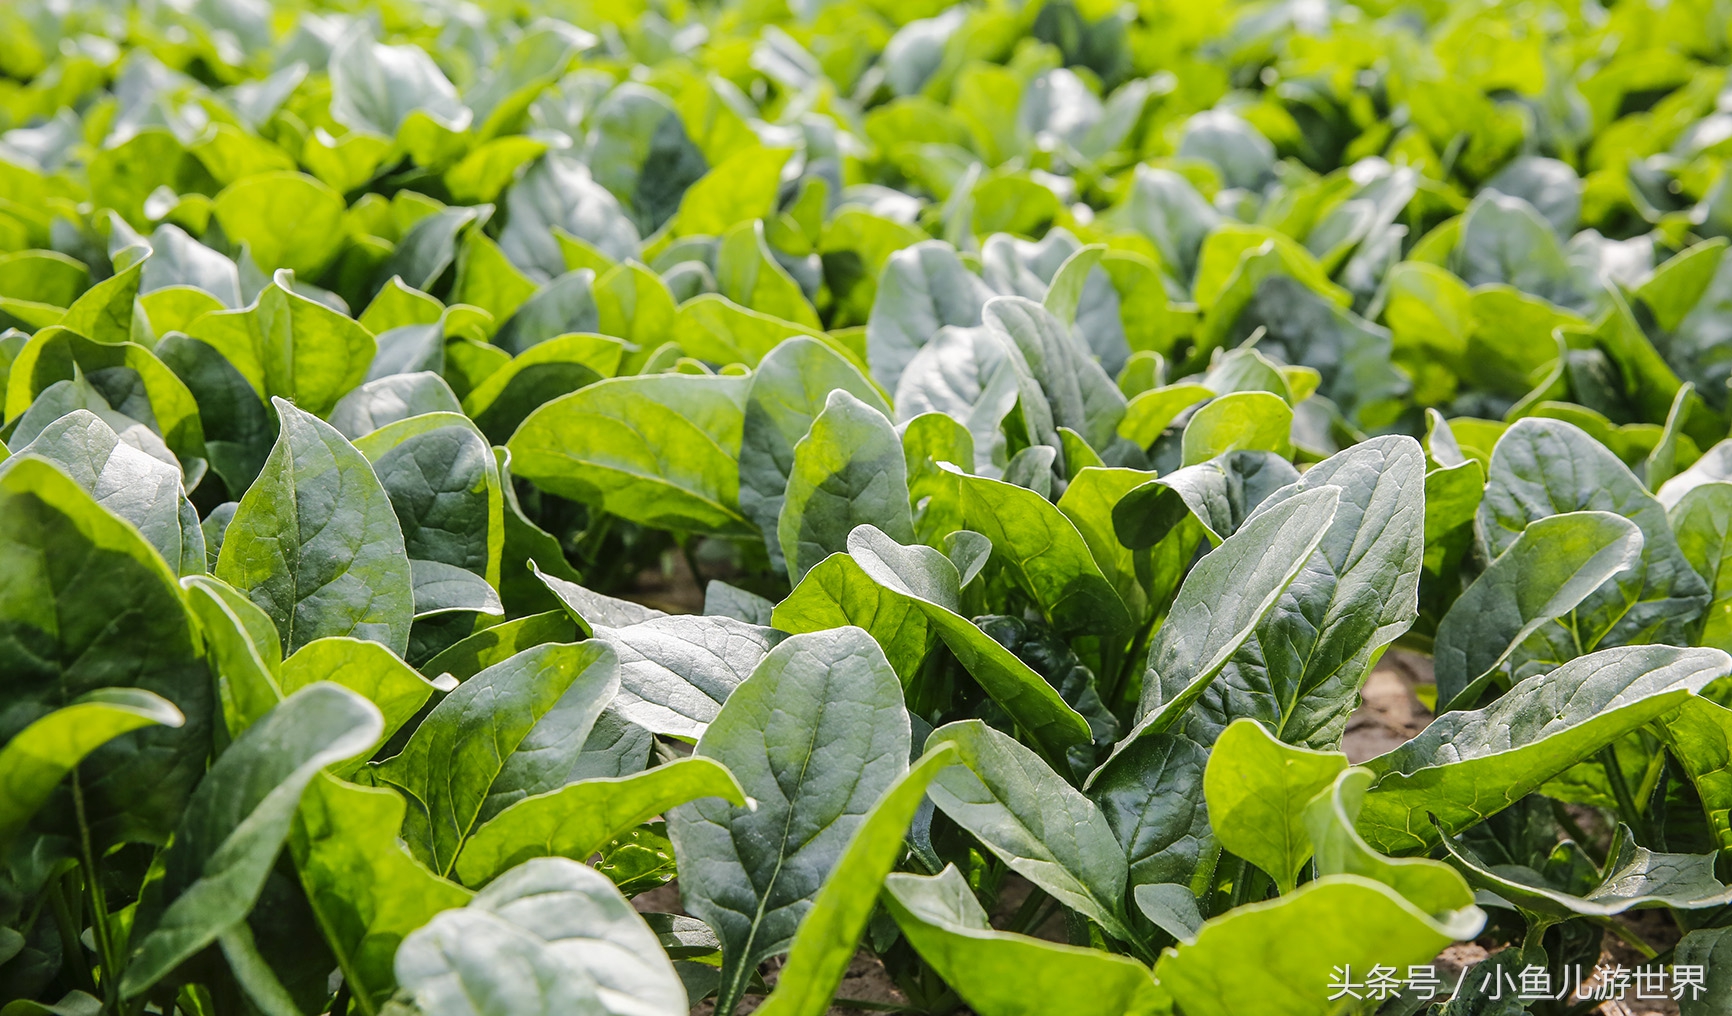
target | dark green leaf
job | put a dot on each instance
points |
(816, 735)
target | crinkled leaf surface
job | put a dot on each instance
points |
(847, 471)
(815, 736)
(236, 824)
(662, 450)
(315, 541)
(1001, 974)
(502, 732)
(1024, 812)
(1467, 766)
(552, 936)
(1544, 574)
(86, 603)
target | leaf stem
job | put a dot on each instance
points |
(1243, 892)
(1628, 936)
(1025, 914)
(1627, 809)
(1580, 835)
(71, 948)
(105, 951)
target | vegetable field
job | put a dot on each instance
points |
(634, 507)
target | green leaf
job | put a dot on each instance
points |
(1043, 828)
(1254, 421)
(242, 645)
(1151, 412)
(633, 303)
(397, 397)
(365, 888)
(1045, 556)
(847, 471)
(930, 581)
(178, 260)
(397, 304)
(1452, 496)
(316, 543)
(1257, 789)
(1636, 879)
(1001, 974)
(749, 275)
(369, 670)
(38, 757)
(103, 313)
(117, 373)
(589, 608)
(285, 219)
(550, 937)
(43, 277)
(444, 485)
(966, 376)
(1503, 239)
(137, 487)
(743, 186)
(836, 593)
(504, 734)
(1222, 601)
(376, 87)
(1550, 568)
(580, 818)
(1546, 467)
(788, 390)
(1151, 797)
(487, 279)
(501, 642)
(1707, 950)
(1065, 377)
(430, 246)
(825, 944)
(1468, 766)
(88, 604)
(531, 63)
(1700, 735)
(1702, 521)
(661, 450)
(922, 289)
(675, 672)
(726, 600)
(288, 346)
(538, 375)
(1662, 463)
(816, 735)
(238, 430)
(1301, 669)
(714, 329)
(1221, 494)
(563, 306)
(235, 826)
(1279, 957)
(558, 192)
(1432, 886)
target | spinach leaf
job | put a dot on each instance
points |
(316, 543)
(235, 825)
(816, 735)
(1002, 974)
(1468, 766)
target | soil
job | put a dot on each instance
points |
(1391, 711)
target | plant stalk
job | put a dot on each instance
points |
(1627, 808)
(105, 951)
(71, 948)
